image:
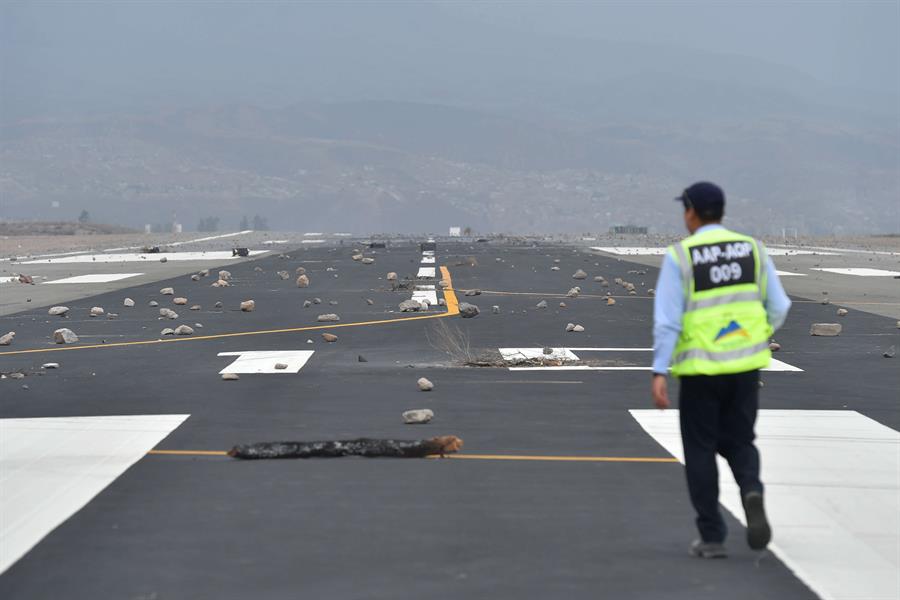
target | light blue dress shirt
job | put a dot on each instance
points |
(668, 306)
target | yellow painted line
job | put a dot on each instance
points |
(452, 310)
(611, 459)
(449, 294)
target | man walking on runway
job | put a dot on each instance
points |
(718, 300)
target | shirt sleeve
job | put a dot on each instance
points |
(668, 308)
(777, 302)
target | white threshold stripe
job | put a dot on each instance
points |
(264, 361)
(425, 296)
(860, 272)
(568, 354)
(142, 257)
(427, 252)
(427, 260)
(50, 468)
(832, 495)
(425, 273)
(95, 278)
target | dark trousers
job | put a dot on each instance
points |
(717, 415)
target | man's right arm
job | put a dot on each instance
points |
(777, 302)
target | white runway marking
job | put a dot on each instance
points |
(314, 234)
(203, 239)
(789, 274)
(95, 278)
(427, 252)
(50, 468)
(861, 272)
(568, 354)
(270, 242)
(425, 295)
(312, 241)
(264, 361)
(427, 260)
(9, 279)
(424, 287)
(425, 273)
(832, 495)
(645, 251)
(136, 257)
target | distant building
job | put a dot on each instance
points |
(455, 231)
(627, 229)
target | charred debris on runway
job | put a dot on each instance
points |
(365, 447)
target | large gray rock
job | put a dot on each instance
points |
(96, 311)
(7, 339)
(410, 306)
(167, 331)
(58, 311)
(467, 311)
(302, 281)
(184, 330)
(541, 304)
(248, 305)
(424, 385)
(167, 291)
(168, 313)
(64, 336)
(225, 275)
(579, 274)
(825, 329)
(179, 301)
(328, 318)
(128, 302)
(417, 416)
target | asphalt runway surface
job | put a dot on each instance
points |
(596, 523)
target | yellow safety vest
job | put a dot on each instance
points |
(724, 328)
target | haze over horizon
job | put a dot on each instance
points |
(525, 117)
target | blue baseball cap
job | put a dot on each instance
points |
(706, 198)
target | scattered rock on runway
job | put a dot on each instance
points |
(410, 305)
(573, 293)
(167, 291)
(307, 303)
(495, 309)
(329, 337)
(774, 346)
(328, 318)
(50, 365)
(473, 292)
(153, 303)
(284, 275)
(281, 366)
(7, 339)
(184, 330)
(204, 273)
(370, 302)
(417, 416)
(541, 304)
(195, 277)
(167, 331)
(467, 311)
(217, 305)
(230, 377)
(248, 306)
(392, 276)
(168, 313)
(842, 312)
(368, 261)
(825, 329)
(96, 311)
(302, 281)
(579, 274)
(424, 385)
(179, 301)
(554, 268)
(300, 271)
(225, 275)
(58, 311)
(64, 336)
(196, 307)
(128, 302)
(826, 301)
(890, 352)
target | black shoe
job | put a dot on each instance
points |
(701, 549)
(758, 531)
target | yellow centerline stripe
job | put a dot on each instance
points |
(516, 457)
(452, 310)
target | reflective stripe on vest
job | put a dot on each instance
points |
(724, 326)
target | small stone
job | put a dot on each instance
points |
(220, 283)
(424, 385)
(825, 329)
(307, 303)
(96, 311)
(418, 416)
(203, 273)
(281, 366)
(554, 268)
(128, 302)
(468, 311)
(774, 346)
(16, 375)
(168, 313)
(317, 301)
(7, 339)
(196, 307)
(473, 292)
(64, 336)
(167, 291)
(599, 279)
(826, 301)
(153, 303)
(541, 304)
(357, 257)
(195, 277)
(361, 358)
(217, 305)
(610, 301)
(392, 276)
(570, 327)
(562, 305)
(578, 328)
(309, 342)
(302, 281)
(184, 330)
(332, 302)
(368, 261)
(842, 312)
(198, 325)
(890, 352)
(167, 331)
(579, 274)
(651, 292)
(370, 302)
(26, 279)
(248, 306)
(442, 302)
(495, 309)
(230, 377)
(179, 301)
(573, 293)
(327, 318)
(329, 337)
(50, 366)
(410, 306)
(225, 275)
(112, 316)
(284, 275)
(163, 259)
(58, 311)
(300, 271)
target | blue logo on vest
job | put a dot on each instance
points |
(730, 331)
